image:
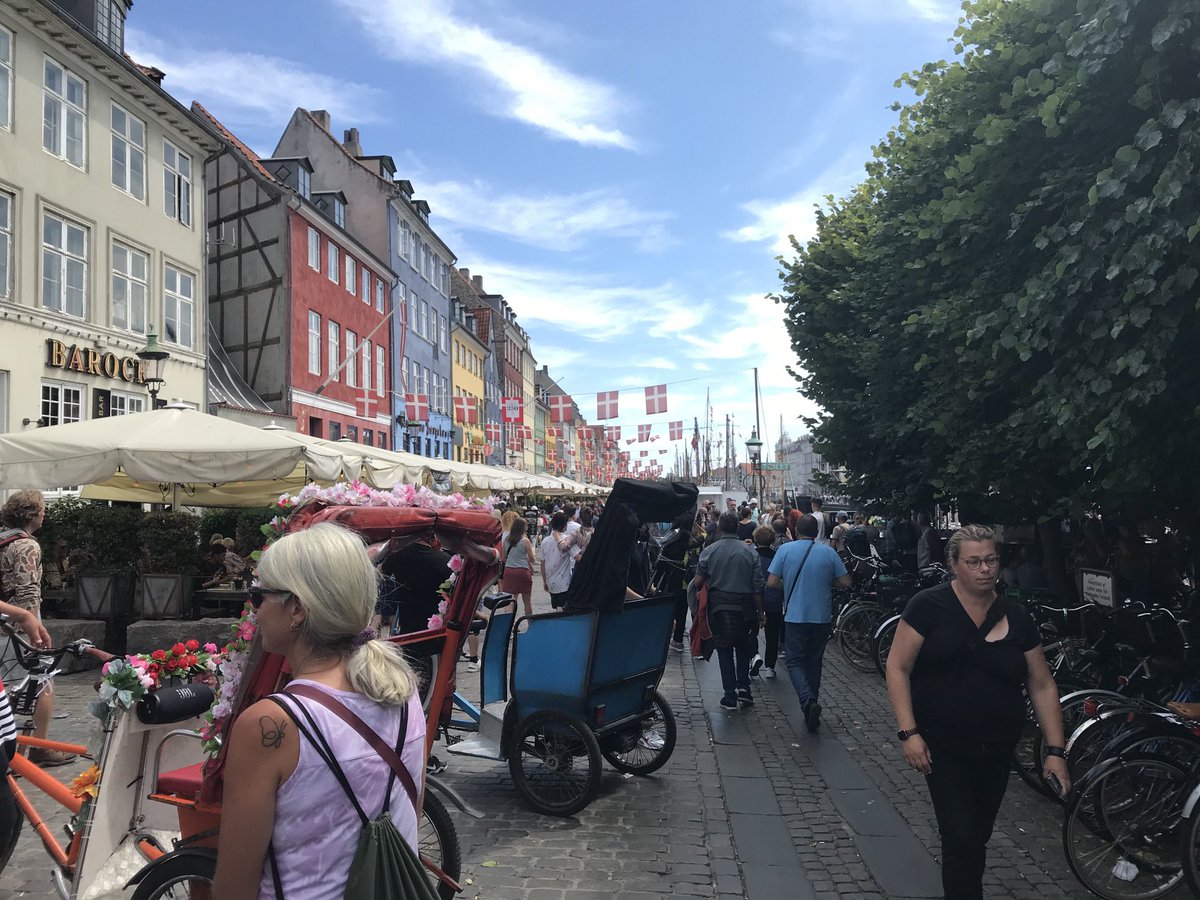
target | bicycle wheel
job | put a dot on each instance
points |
(554, 761)
(881, 644)
(648, 748)
(437, 842)
(1028, 759)
(1121, 831)
(179, 878)
(1189, 842)
(855, 626)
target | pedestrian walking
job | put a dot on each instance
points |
(962, 662)
(823, 527)
(806, 571)
(672, 554)
(556, 562)
(765, 545)
(731, 572)
(519, 560)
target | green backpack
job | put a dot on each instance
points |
(384, 864)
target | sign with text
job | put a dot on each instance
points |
(89, 361)
(1096, 586)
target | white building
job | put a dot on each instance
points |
(101, 220)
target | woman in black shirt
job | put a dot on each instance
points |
(955, 674)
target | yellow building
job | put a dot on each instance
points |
(468, 357)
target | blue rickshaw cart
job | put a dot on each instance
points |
(561, 691)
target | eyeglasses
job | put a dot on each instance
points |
(975, 562)
(258, 594)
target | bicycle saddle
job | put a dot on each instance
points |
(1189, 711)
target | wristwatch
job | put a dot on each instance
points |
(905, 735)
(1060, 752)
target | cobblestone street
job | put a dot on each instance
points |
(750, 805)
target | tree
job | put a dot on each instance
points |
(1003, 314)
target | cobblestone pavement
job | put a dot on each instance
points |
(749, 806)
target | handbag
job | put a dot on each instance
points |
(384, 865)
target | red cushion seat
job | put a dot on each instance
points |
(183, 782)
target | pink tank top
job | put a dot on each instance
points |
(316, 827)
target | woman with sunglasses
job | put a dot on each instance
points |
(960, 664)
(285, 815)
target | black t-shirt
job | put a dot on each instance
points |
(963, 694)
(745, 530)
(419, 571)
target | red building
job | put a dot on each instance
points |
(299, 306)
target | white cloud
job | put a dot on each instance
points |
(551, 221)
(833, 28)
(247, 86)
(655, 362)
(523, 84)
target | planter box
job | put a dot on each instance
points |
(105, 596)
(161, 596)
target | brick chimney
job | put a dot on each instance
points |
(322, 117)
(466, 273)
(477, 280)
(350, 142)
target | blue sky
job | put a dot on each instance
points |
(623, 172)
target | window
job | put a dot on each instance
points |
(121, 404)
(304, 180)
(332, 267)
(62, 402)
(335, 431)
(365, 277)
(426, 260)
(6, 251)
(314, 249)
(379, 300)
(457, 353)
(427, 388)
(64, 266)
(414, 377)
(130, 271)
(405, 238)
(6, 78)
(351, 276)
(334, 344)
(424, 330)
(365, 362)
(177, 183)
(339, 212)
(380, 370)
(351, 346)
(110, 24)
(178, 303)
(314, 343)
(383, 440)
(443, 333)
(414, 314)
(128, 153)
(64, 105)
(368, 437)
(352, 432)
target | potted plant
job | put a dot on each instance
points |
(169, 559)
(108, 548)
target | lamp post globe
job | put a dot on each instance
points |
(155, 358)
(754, 452)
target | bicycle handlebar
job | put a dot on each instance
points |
(78, 649)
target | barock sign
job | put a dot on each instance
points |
(74, 358)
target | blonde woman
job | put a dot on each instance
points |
(315, 595)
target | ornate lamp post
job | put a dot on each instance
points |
(155, 358)
(408, 427)
(754, 451)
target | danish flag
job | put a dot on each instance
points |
(584, 432)
(612, 433)
(466, 411)
(644, 453)
(364, 404)
(526, 432)
(560, 408)
(551, 431)
(656, 399)
(492, 430)
(416, 407)
(512, 409)
(606, 405)
(676, 431)
(644, 432)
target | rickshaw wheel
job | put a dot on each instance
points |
(546, 760)
(189, 875)
(437, 839)
(653, 746)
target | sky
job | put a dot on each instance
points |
(625, 173)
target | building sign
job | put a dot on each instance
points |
(1096, 586)
(101, 403)
(74, 358)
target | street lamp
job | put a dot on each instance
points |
(408, 427)
(155, 358)
(754, 451)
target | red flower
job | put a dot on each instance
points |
(193, 645)
(190, 660)
(171, 664)
(179, 649)
(159, 655)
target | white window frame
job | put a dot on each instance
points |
(7, 202)
(177, 182)
(380, 369)
(123, 143)
(365, 354)
(425, 332)
(427, 387)
(414, 313)
(58, 400)
(380, 298)
(443, 333)
(304, 182)
(175, 304)
(110, 25)
(7, 51)
(137, 290)
(314, 342)
(57, 106)
(122, 403)
(364, 277)
(351, 275)
(405, 237)
(339, 213)
(333, 265)
(314, 249)
(351, 359)
(335, 348)
(64, 257)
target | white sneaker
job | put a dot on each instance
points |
(473, 665)
(755, 664)
(768, 673)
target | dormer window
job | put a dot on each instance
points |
(110, 23)
(304, 182)
(339, 212)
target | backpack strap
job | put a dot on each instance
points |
(787, 597)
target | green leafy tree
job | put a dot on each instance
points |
(1004, 313)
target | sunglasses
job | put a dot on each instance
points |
(258, 594)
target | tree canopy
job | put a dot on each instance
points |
(1004, 314)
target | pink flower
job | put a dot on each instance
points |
(456, 563)
(435, 621)
(245, 630)
(210, 647)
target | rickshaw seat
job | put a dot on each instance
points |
(183, 782)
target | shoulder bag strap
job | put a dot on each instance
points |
(787, 597)
(339, 709)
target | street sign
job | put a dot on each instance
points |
(775, 467)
